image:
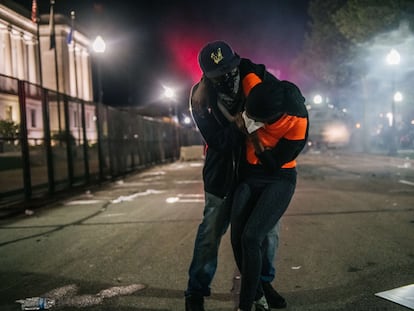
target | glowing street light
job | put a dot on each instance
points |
(169, 94)
(99, 47)
(398, 97)
(317, 99)
(393, 59)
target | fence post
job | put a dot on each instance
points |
(68, 140)
(85, 143)
(27, 183)
(99, 121)
(47, 141)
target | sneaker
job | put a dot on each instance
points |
(261, 304)
(194, 303)
(272, 296)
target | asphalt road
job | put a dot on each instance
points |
(348, 234)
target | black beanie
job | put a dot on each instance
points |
(265, 101)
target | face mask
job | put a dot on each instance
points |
(228, 83)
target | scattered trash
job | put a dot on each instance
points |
(28, 212)
(406, 182)
(296, 267)
(120, 290)
(129, 198)
(67, 296)
(172, 200)
(36, 303)
(405, 165)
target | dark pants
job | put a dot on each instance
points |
(257, 206)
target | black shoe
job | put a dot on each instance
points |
(194, 303)
(272, 296)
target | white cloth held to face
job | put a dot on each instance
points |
(251, 125)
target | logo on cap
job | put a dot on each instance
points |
(218, 57)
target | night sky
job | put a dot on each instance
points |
(155, 43)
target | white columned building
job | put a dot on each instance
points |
(66, 69)
(19, 52)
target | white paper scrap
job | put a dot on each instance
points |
(402, 295)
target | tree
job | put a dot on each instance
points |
(361, 20)
(8, 129)
(336, 30)
(324, 46)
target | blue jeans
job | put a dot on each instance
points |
(216, 220)
(257, 208)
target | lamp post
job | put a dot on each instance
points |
(169, 94)
(99, 47)
(393, 59)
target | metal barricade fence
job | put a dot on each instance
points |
(51, 142)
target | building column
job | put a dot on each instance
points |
(18, 56)
(7, 56)
(32, 66)
(72, 78)
(86, 76)
(79, 71)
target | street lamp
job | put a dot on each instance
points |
(398, 97)
(99, 47)
(393, 59)
(317, 99)
(169, 94)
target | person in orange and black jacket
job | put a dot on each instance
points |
(215, 101)
(275, 122)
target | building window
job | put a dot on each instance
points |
(33, 118)
(75, 119)
(87, 120)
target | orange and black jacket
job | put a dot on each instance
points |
(285, 137)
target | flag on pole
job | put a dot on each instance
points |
(52, 26)
(69, 38)
(34, 11)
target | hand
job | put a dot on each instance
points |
(239, 121)
(257, 144)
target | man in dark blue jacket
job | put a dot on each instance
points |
(213, 102)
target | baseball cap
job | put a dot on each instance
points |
(217, 58)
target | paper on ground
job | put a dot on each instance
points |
(402, 295)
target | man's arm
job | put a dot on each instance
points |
(218, 135)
